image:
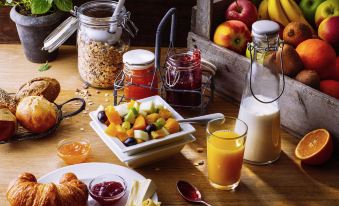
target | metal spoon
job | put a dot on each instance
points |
(190, 193)
(202, 119)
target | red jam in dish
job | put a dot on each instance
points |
(107, 189)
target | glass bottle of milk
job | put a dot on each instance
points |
(259, 105)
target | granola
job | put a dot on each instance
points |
(99, 62)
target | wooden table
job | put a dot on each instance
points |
(284, 183)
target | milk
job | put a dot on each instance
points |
(263, 143)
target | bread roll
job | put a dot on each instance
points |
(36, 114)
(41, 86)
(6, 101)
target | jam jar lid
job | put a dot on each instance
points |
(138, 58)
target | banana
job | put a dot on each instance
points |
(276, 12)
(293, 12)
(263, 10)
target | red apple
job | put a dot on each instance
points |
(330, 87)
(335, 72)
(329, 31)
(242, 10)
(233, 35)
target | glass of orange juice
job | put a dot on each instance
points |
(225, 151)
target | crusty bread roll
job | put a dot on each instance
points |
(41, 86)
(36, 114)
(6, 101)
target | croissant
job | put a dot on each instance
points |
(26, 191)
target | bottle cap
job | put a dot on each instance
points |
(265, 28)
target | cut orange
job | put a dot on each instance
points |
(315, 147)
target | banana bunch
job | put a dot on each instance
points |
(281, 11)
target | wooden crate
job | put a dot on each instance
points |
(302, 108)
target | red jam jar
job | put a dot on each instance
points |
(140, 76)
(183, 79)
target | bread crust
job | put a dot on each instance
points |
(36, 114)
(47, 87)
(6, 101)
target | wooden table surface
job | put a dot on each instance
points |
(285, 182)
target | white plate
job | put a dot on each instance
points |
(186, 129)
(145, 157)
(87, 171)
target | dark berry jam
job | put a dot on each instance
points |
(105, 192)
(107, 189)
(183, 78)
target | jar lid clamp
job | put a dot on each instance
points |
(71, 24)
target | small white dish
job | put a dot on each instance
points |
(144, 158)
(186, 129)
(88, 171)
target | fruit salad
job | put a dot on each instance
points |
(134, 122)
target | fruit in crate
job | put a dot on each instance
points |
(330, 87)
(242, 10)
(317, 55)
(233, 35)
(292, 62)
(263, 10)
(293, 12)
(309, 78)
(309, 7)
(256, 2)
(296, 32)
(276, 12)
(315, 148)
(326, 9)
(329, 31)
(335, 72)
(133, 123)
(291, 59)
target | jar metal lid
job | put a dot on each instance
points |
(264, 28)
(139, 58)
(70, 25)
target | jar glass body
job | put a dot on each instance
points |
(184, 79)
(100, 50)
(140, 81)
(259, 106)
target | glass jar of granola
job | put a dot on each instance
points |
(102, 39)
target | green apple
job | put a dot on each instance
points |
(308, 7)
(326, 9)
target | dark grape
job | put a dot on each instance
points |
(150, 128)
(130, 141)
(102, 117)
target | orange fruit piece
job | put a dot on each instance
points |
(112, 115)
(315, 147)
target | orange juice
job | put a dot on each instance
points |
(225, 154)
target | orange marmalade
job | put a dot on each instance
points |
(74, 151)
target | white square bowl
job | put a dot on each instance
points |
(186, 129)
(146, 157)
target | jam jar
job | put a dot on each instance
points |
(140, 76)
(183, 79)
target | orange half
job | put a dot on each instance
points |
(315, 147)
